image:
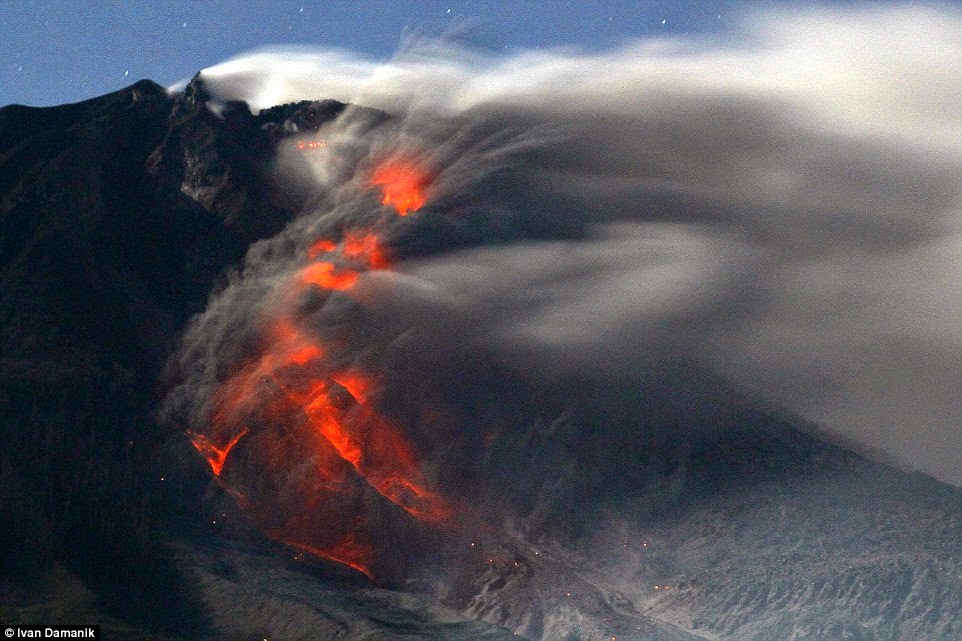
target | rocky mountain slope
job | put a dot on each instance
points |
(118, 215)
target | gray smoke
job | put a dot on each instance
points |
(785, 212)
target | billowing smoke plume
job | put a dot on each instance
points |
(784, 214)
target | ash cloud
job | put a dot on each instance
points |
(785, 212)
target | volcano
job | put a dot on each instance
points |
(232, 408)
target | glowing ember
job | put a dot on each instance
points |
(402, 184)
(216, 456)
(311, 144)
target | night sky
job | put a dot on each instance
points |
(65, 51)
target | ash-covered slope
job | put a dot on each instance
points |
(764, 535)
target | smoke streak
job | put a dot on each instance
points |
(785, 213)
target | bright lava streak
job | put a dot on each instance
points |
(216, 456)
(290, 386)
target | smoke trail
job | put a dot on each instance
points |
(784, 212)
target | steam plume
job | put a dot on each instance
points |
(784, 212)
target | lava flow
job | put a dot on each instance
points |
(328, 276)
(402, 184)
(348, 552)
(366, 248)
(216, 456)
(312, 418)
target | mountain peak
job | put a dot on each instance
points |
(196, 91)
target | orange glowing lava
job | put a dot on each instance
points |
(290, 378)
(402, 184)
(314, 421)
(367, 249)
(327, 276)
(311, 144)
(356, 385)
(348, 552)
(240, 393)
(322, 246)
(216, 456)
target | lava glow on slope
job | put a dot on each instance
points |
(348, 552)
(216, 456)
(328, 276)
(304, 414)
(311, 144)
(402, 184)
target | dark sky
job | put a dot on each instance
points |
(53, 52)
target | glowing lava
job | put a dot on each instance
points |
(348, 552)
(356, 385)
(366, 248)
(402, 184)
(216, 456)
(375, 448)
(323, 246)
(362, 251)
(315, 424)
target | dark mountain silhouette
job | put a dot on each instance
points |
(119, 214)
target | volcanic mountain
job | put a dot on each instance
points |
(210, 430)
